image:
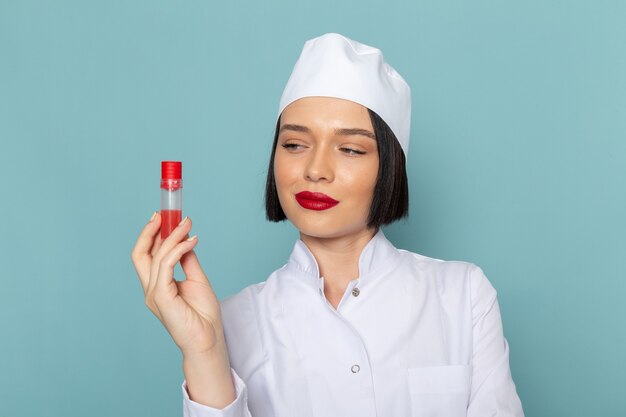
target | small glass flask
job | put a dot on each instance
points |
(171, 196)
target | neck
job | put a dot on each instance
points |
(338, 260)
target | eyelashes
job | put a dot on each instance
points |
(291, 146)
(297, 147)
(351, 151)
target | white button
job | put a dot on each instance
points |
(356, 292)
(355, 369)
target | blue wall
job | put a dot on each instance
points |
(517, 163)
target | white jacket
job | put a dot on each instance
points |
(412, 336)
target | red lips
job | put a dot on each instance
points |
(315, 201)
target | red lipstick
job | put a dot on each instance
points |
(315, 201)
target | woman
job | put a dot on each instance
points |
(350, 326)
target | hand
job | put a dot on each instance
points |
(188, 309)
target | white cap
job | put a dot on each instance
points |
(335, 66)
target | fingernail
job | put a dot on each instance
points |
(182, 222)
(153, 216)
(193, 237)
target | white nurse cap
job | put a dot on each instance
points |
(335, 66)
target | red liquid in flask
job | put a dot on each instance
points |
(169, 221)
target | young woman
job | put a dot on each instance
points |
(350, 326)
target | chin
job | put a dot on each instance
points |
(327, 229)
(327, 224)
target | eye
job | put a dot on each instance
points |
(292, 146)
(352, 151)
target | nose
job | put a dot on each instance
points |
(319, 166)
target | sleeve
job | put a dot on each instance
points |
(238, 408)
(493, 391)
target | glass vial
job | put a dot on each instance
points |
(171, 196)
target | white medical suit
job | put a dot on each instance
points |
(412, 337)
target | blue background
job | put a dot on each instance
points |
(517, 163)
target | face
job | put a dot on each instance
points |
(325, 166)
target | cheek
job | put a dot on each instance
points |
(362, 182)
(278, 175)
(282, 174)
(367, 192)
(372, 177)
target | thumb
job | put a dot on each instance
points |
(191, 266)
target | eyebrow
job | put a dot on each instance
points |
(342, 132)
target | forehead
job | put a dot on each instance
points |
(326, 111)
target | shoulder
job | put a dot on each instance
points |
(243, 299)
(241, 311)
(461, 277)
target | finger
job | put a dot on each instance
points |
(191, 266)
(165, 277)
(140, 254)
(176, 236)
(157, 244)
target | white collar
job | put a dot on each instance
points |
(377, 256)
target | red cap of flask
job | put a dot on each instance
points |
(171, 175)
(171, 170)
